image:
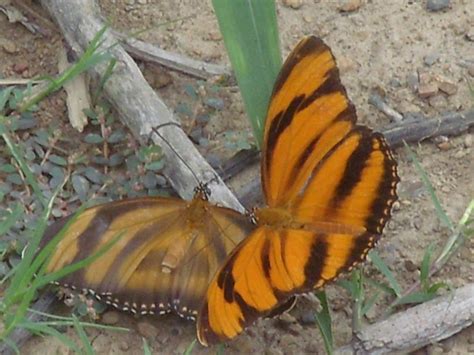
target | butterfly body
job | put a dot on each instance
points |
(329, 185)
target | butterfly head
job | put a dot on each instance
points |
(202, 192)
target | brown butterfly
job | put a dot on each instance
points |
(329, 185)
(167, 251)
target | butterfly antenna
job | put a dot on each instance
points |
(200, 187)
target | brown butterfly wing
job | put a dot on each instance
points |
(332, 176)
(166, 254)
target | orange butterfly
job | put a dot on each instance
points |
(166, 254)
(329, 185)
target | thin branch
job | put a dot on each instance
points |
(415, 131)
(377, 100)
(151, 53)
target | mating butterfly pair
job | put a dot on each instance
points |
(329, 185)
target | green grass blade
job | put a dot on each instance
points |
(381, 286)
(5, 96)
(46, 279)
(146, 347)
(87, 347)
(91, 57)
(425, 267)
(12, 345)
(383, 268)
(323, 320)
(250, 33)
(415, 297)
(370, 303)
(32, 181)
(426, 181)
(108, 72)
(190, 348)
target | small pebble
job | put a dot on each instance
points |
(124, 346)
(437, 5)
(427, 90)
(346, 64)
(294, 4)
(20, 67)
(395, 83)
(447, 86)
(438, 101)
(460, 154)
(470, 35)
(8, 46)
(410, 266)
(424, 77)
(308, 318)
(110, 318)
(444, 146)
(468, 141)
(430, 59)
(434, 349)
(350, 5)
(307, 18)
(470, 70)
(147, 329)
(287, 318)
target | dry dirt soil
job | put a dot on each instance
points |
(381, 45)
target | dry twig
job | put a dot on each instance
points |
(417, 326)
(150, 53)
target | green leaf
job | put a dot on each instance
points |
(93, 138)
(383, 268)
(191, 91)
(81, 185)
(189, 349)
(90, 113)
(5, 96)
(425, 267)
(250, 33)
(56, 159)
(437, 286)
(15, 178)
(426, 181)
(7, 168)
(116, 137)
(155, 166)
(323, 320)
(415, 297)
(83, 336)
(370, 303)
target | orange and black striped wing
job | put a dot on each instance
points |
(265, 271)
(309, 112)
(163, 260)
